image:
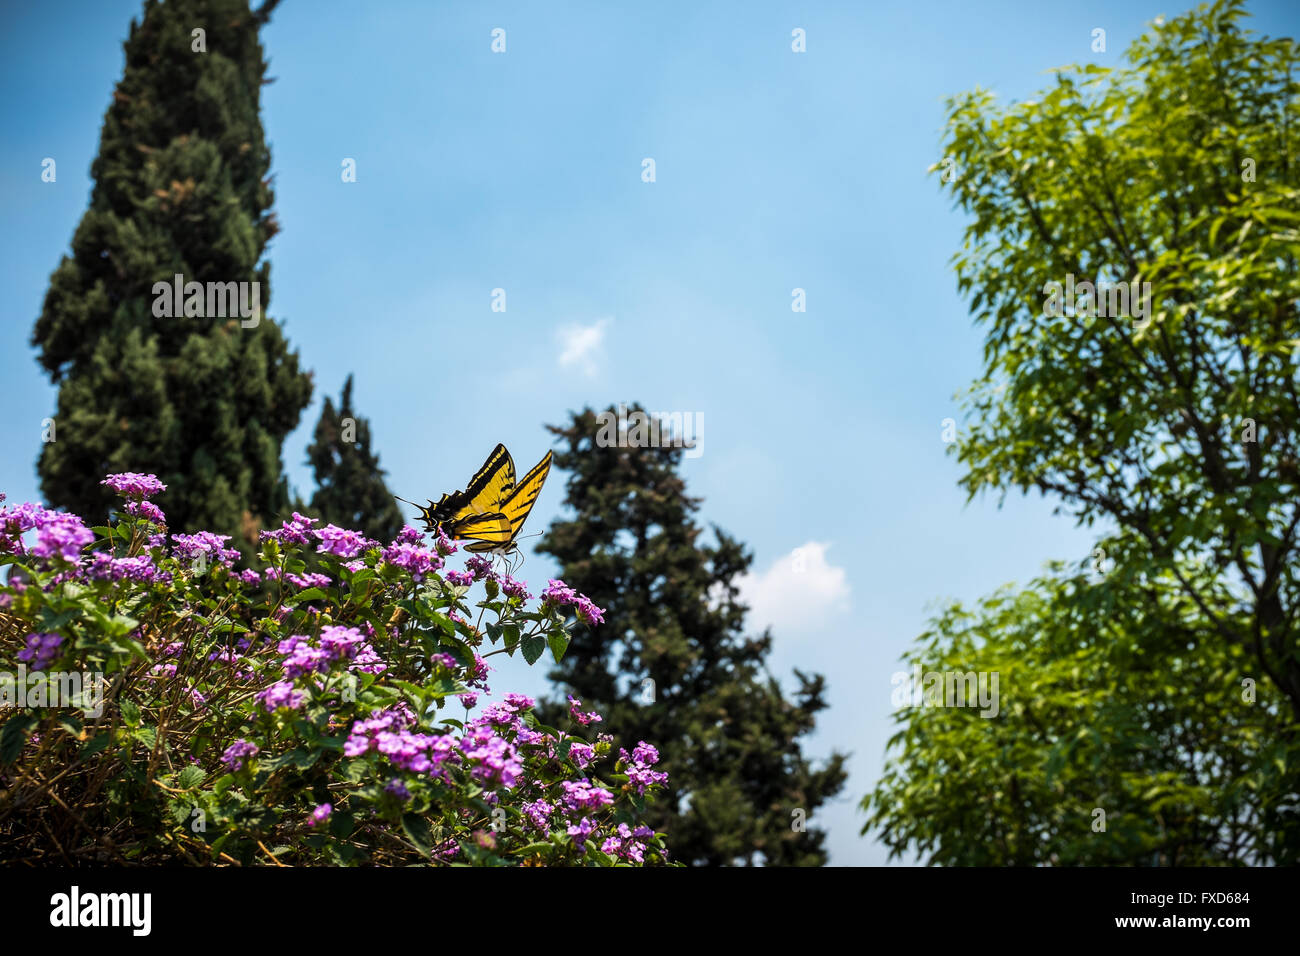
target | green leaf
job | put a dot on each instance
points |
(190, 777)
(14, 734)
(558, 641)
(533, 647)
(417, 831)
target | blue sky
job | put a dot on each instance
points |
(522, 171)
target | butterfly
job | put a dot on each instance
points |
(499, 532)
(492, 508)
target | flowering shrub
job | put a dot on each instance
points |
(318, 711)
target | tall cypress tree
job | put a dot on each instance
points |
(350, 491)
(181, 188)
(728, 736)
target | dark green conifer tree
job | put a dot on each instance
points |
(350, 488)
(739, 783)
(181, 188)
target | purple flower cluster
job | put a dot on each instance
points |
(130, 484)
(409, 535)
(205, 546)
(40, 650)
(320, 815)
(238, 752)
(639, 774)
(300, 581)
(59, 534)
(281, 694)
(515, 589)
(584, 795)
(494, 760)
(591, 717)
(461, 579)
(297, 530)
(105, 567)
(480, 567)
(413, 559)
(342, 542)
(624, 843)
(336, 644)
(418, 753)
(558, 594)
(147, 510)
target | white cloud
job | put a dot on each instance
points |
(800, 591)
(580, 345)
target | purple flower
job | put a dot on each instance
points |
(147, 510)
(41, 650)
(409, 535)
(477, 676)
(539, 814)
(250, 577)
(639, 774)
(367, 661)
(557, 592)
(342, 542)
(515, 589)
(282, 694)
(461, 579)
(494, 758)
(588, 613)
(105, 567)
(130, 484)
(591, 717)
(580, 831)
(480, 567)
(582, 754)
(443, 544)
(320, 815)
(341, 642)
(237, 752)
(582, 795)
(205, 546)
(469, 699)
(311, 580)
(298, 530)
(61, 534)
(301, 658)
(397, 789)
(416, 561)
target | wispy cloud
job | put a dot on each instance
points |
(580, 345)
(800, 591)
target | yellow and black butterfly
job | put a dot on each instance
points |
(492, 508)
(499, 532)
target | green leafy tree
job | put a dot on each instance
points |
(1122, 734)
(350, 491)
(181, 188)
(1169, 417)
(673, 666)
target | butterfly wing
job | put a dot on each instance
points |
(491, 485)
(485, 532)
(488, 489)
(520, 503)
